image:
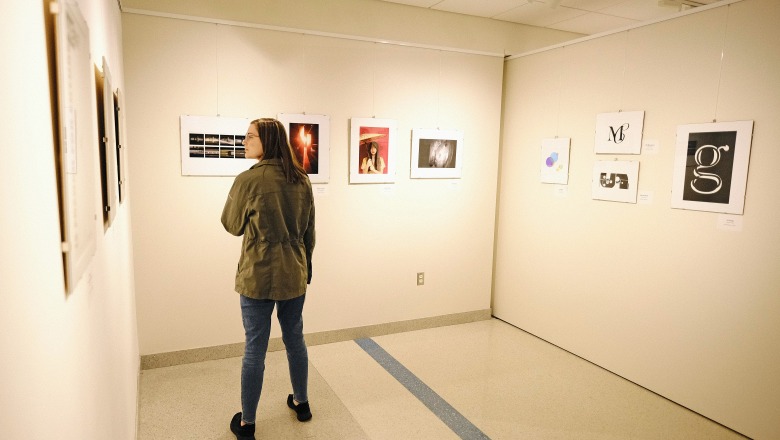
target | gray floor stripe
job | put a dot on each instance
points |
(443, 410)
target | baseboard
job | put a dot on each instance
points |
(160, 360)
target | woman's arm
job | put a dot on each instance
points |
(381, 168)
(234, 213)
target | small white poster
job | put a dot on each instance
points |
(619, 133)
(213, 146)
(615, 181)
(554, 167)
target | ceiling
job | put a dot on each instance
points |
(580, 16)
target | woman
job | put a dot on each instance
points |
(272, 206)
(373, 163)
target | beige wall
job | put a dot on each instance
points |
(372, 239)
(660, 296)
(70, 364)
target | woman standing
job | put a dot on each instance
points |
(272, 206)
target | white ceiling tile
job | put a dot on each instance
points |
(640, 10)
(592, 23)
(572, 15)
(418, 3)
(539, 14)
(479, 8)
(590, 5)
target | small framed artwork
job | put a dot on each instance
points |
(107, 143)
(213, 146)
(619, 133)
(309, 137)
(554, 167)
(436, 154)
(615, 180)
(372, 156)
(711, 166)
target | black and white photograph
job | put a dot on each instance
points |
(436, 154)
(197, 138)
(197, 151)
(711, 165)
(615, 180)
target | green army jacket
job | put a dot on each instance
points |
(276, 219)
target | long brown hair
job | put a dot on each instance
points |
(276, 146)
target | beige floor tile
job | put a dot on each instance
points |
(506, 382)
(379, 403)
(513, 385)
(197, 401)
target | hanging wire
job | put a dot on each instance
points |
(625, 67)
(560, 94)
(373, 82)
(303, 75)
(216, 58)
(720, 69)
(438, 95)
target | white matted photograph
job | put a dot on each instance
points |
(436, 154)
(372, 156)
(554, 166)
(619, 133)
(77, 166)
(309, 137)
(615, 180)
(213, 146)
(711, 166)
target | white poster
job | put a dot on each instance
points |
(372, 150)
(711, 166)
(615, 180)
(554, 167)
(213, 146)
(436, 154)
(619, 133)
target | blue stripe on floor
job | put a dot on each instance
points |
(443, 410)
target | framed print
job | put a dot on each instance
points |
(372, 150)
(119, 130)
(619, 133)
(76, 146)
(615, 181)
(554, 166)
(711, 166)
(107, 139)
(436, 154)
(213, 146)
(309, 137)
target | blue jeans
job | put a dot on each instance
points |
(256, 314)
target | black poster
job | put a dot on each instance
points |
(709, 165)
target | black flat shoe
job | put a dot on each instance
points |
(246, 432)
(301, 409)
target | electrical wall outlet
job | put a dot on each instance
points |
(420, 278)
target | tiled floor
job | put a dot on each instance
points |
(505, 382)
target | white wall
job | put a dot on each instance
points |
(70, 364)
(660, 296)
(372, 239)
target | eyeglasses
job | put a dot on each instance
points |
(250, 136)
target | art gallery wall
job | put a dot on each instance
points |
(674, 300)
(70, 363)
(371, 239)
